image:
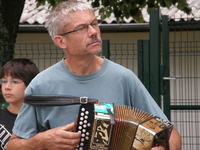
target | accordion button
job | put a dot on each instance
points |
(87, 112)
(81, 144)
(82, 109)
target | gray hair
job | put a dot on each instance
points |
(57, 19)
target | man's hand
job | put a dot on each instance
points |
(174, 141)
(158, 148)
(61, 138)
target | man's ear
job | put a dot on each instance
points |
(60, 41)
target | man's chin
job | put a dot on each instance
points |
(97, 52)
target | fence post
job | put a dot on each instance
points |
(165, 66)
(155, 55)
(106, 49)
(143, 63)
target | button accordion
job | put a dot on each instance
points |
(106, 126)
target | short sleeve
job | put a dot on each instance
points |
(26, 122)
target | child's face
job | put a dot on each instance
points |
(12, 89)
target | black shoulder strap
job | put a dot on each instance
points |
(56, 100)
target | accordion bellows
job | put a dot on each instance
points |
(105, 126)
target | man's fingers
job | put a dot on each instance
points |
(158, 148)
(70, 127)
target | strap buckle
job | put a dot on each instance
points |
(83, 100)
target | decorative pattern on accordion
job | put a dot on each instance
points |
(106, 126)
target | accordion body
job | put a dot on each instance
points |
(106, 126)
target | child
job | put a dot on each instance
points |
(15, 76)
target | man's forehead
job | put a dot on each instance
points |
(81, 16)
(81, 13)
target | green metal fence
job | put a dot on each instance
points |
(43, 54)
(185, 86)
(179, 74)
(46, 54)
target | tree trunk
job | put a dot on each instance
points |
(10, 13)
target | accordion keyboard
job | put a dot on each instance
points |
(85, 121)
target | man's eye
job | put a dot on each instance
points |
(81, 27)
(95, 23)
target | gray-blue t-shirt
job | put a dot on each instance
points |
(113, 83)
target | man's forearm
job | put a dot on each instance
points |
(16, 143)
(175, 142)
(52, 139)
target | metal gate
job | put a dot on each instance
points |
(170, 70)
(184, 62)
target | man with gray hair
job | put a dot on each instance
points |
(74, 28)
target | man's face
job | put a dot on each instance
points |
(83, 37)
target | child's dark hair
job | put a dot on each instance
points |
(20, 68)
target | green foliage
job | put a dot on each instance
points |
(128, 8)
(52, 2)
(182, 5)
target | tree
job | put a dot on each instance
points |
(128, 8)
(10, 13)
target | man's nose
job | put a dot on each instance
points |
(92, 30)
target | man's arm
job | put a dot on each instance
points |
(17, 143)
(53, 139)
(174, 141)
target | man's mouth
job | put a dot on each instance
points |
(94, 42)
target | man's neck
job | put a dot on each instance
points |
(84, 66)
